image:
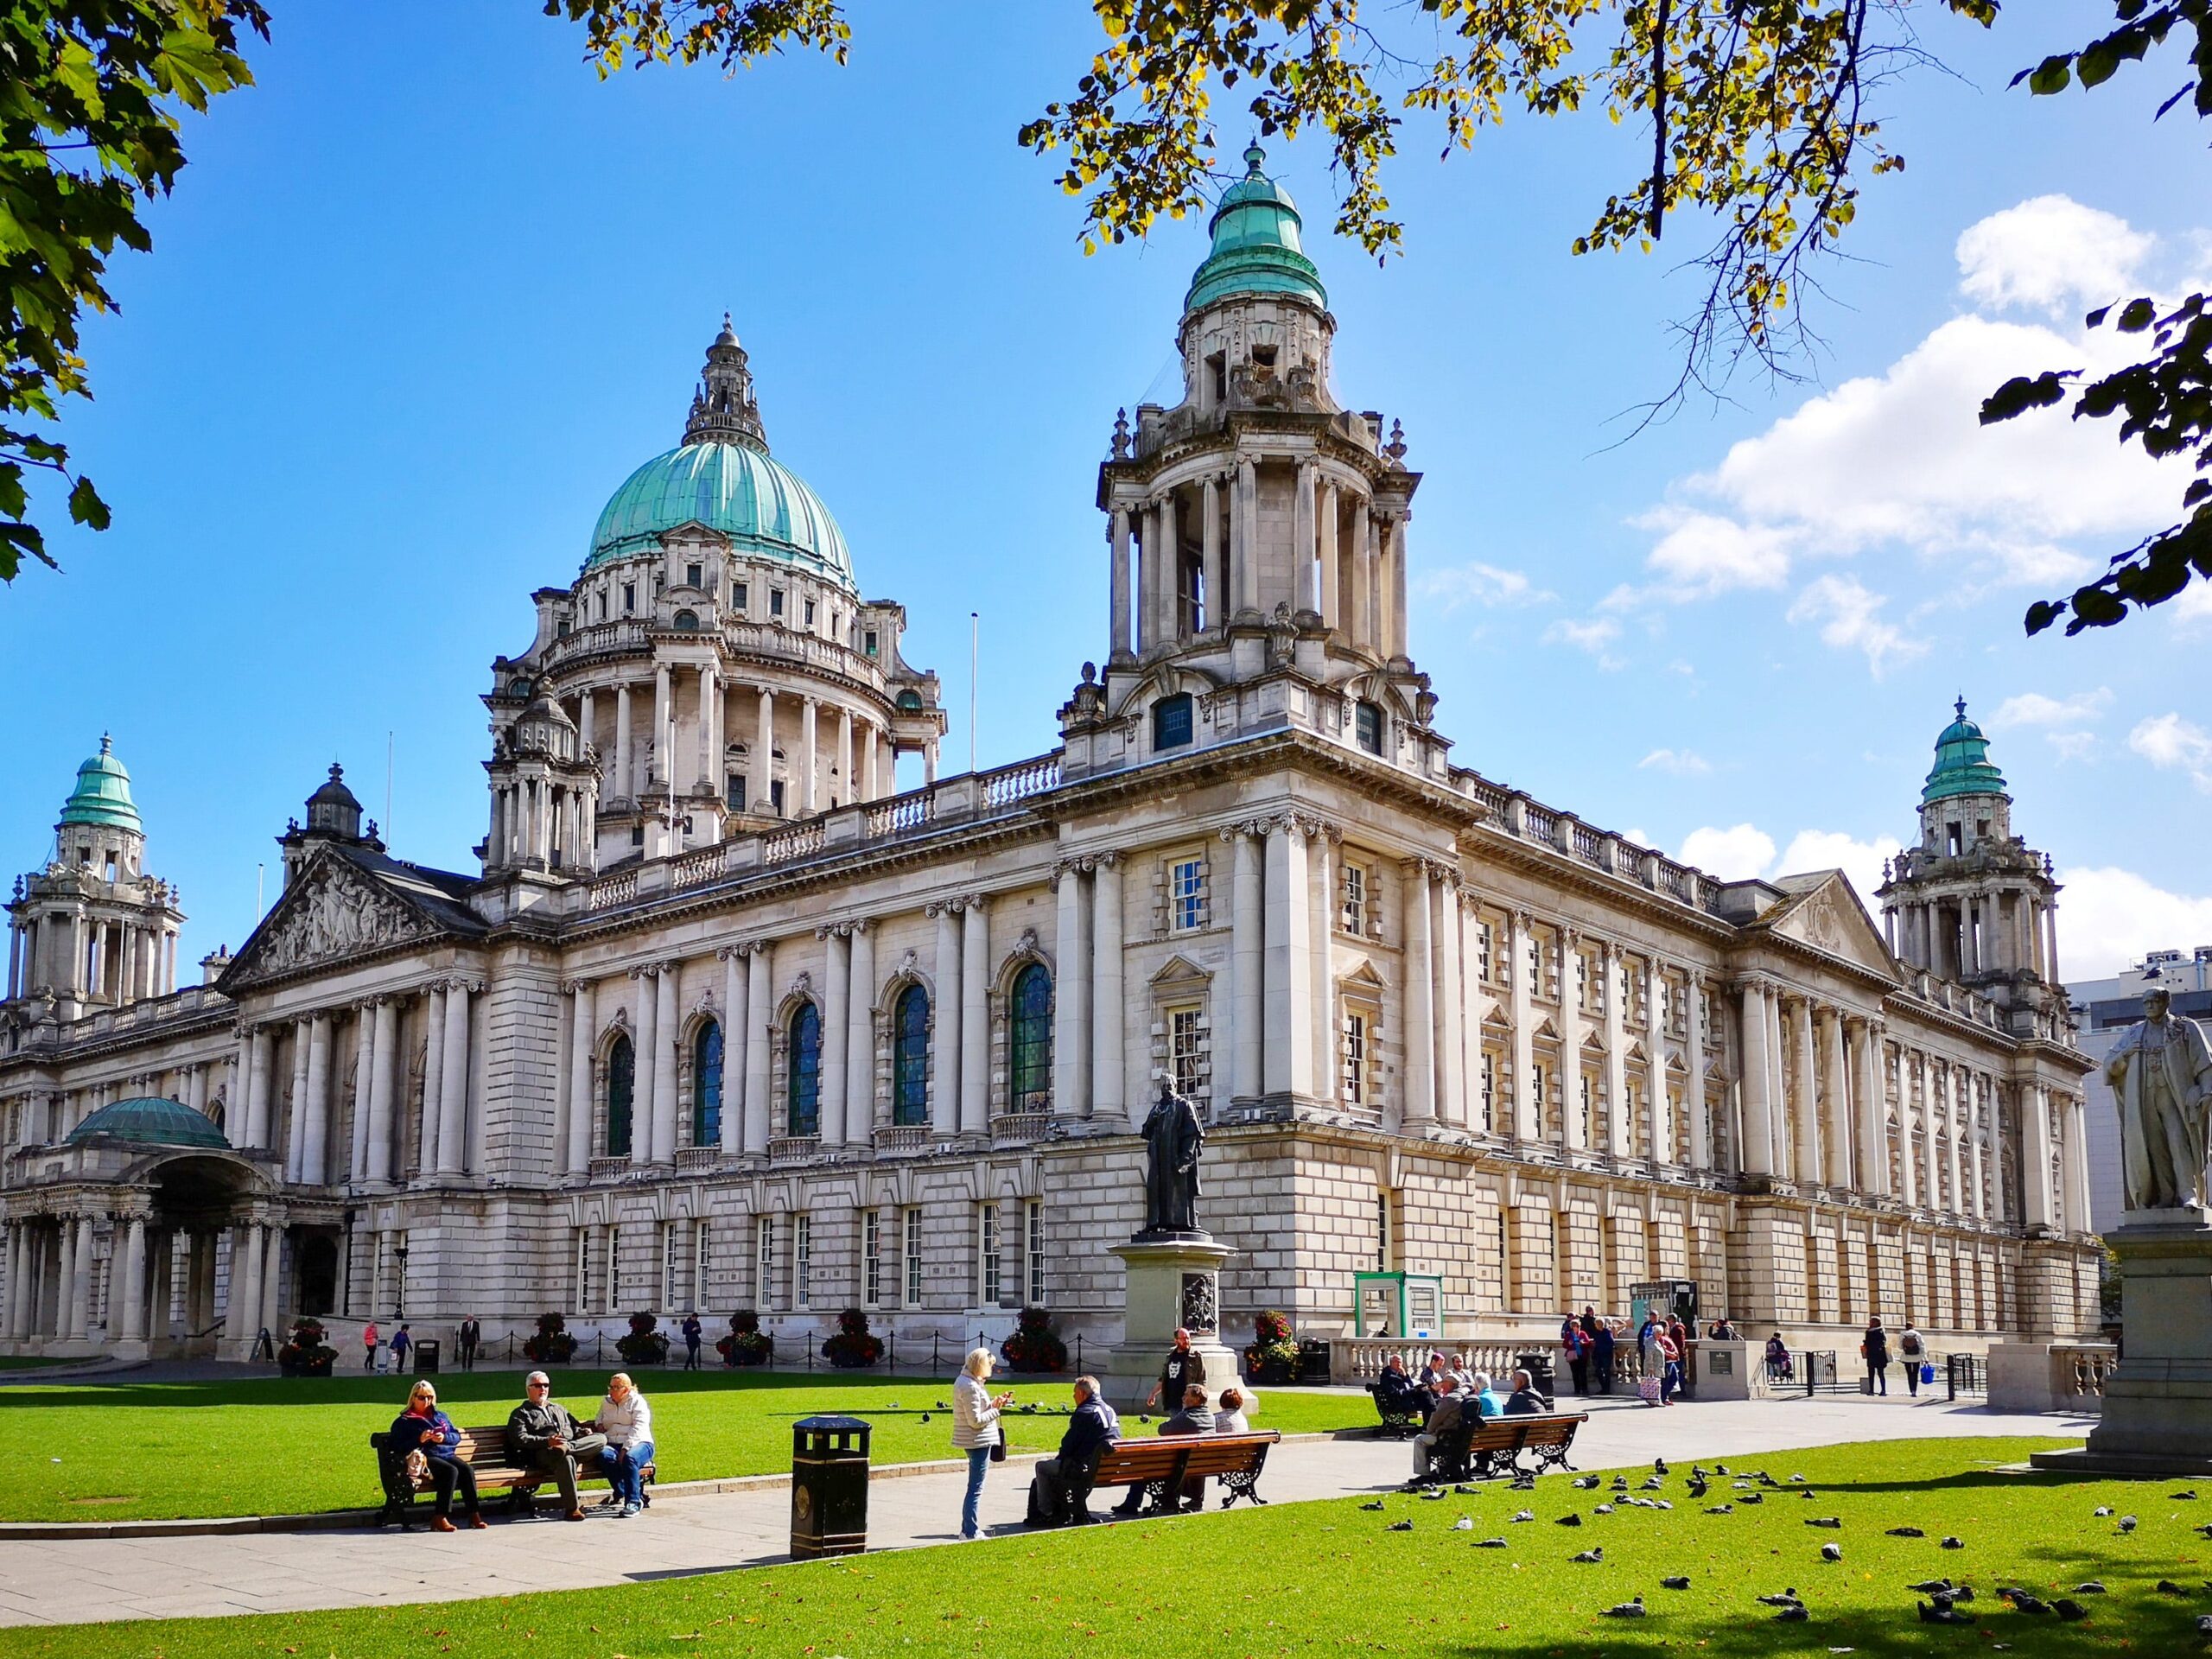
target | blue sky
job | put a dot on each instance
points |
(431, 290)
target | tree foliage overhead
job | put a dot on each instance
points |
(89, 96)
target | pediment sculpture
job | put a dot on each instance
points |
(330, 915)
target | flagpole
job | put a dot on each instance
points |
(974, 656)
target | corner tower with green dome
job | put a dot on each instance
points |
(1256, 527)
(713, 667)
(93, 929)
(1973, 903)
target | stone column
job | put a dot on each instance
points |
(80, 1283)
(1527, 1109)
(2001, 1208)
(624, 783)
(1395, 626)
(1117, 537)
(1758, 1111)
(860, 1039)
(383, 1088)
(1321, 869)
(2035, 1156)
(1420, 996)
(1247, 535)
(1325, 553)
(272, 1317)
(65, 1273)
(315, 1141)
(453, 1082)
(1954, 1117)
(573, 1155)
(759, 789)
(133, 1323)
(1969, 1108)
(1448, 998)
(737, 1036)
(258, 1043)
(667, 1027)
(760, 1009)
(1804, 1092)
(364, 1081)
(836, 993)
(1694, 1102)
(2073, 1167)
(1873, 1137)
(1892, 1063)
(1217, 607)
(1246, 914)
(947, 1007)
(809, 766)
(1287, 1065)
(1305, 593)
(974, 1018)
(1108, 1083)
(643, 1073)
(1837, 1128)
(705, 768)
(1071, 994)
(1620, 1121)
(1169, 590)
(869, 789)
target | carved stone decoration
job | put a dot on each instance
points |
(1201, 1304)
(331, 914)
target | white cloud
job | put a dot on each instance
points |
(1595, 636)
(2191, 609)
(2108, 918)
(1478, 583)
(1831, 849)
(2169, 741)
(2033, 708)
(1701, 554)
(2074, 746)
(1733, 855)
(2048, 253)
(1682, 763)
(1849, 617)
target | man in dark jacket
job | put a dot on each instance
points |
(542, 1436)
(1525, 1400)
(1060, 1487)
(693, 1331)
(470, 1334)
(1182, 1368)
(1449, 1418)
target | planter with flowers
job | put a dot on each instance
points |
(1271, 1360)
(1032, 1347)
(852, 1348)
(644, 1345)
(305, 1353)
(747, 1344)
(552, 1345)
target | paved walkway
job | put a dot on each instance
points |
(83, 1580)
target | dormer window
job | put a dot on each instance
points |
(1171, 722)
(629, 599)
(868, 642)
(1367, 725)
(694, 575)
(810, 614)
(737, 595)
(688, 620)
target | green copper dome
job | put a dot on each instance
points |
(1962, 764)
(721, 476)
(1255, 246)
(150, 1120)
(103, 794)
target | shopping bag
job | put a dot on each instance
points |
(1928, 1373)
(1647, 1390)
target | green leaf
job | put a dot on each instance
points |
(2052, 75)
(85, 505)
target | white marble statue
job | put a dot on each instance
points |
(2161, 1076)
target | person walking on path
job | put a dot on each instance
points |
(692, 1330)
(1181, 1368)
(401, 1341)
(471, 1334)
(1576, 1348)
(1601, 1355)
(423, 1428)
(1876, 1348)
(369, 1346)
(975, 1431)
(1912, 1349)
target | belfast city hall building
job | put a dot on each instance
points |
(725, 1022)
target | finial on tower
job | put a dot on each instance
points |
(722, 409)
(1959, 706)
(107, 744)
(1254, 155)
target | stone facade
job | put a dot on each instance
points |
(723, 1022)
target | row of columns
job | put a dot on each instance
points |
(544, 821)
(51, 1264)
(1963, 934)
(863, 751)
(120, 961)
(1345, 561)
(49, 1115)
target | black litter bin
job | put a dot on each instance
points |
(829, 1486)
(426, 1358)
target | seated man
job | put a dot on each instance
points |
(1059, 1486)
(1193, 1417)
(1525, 1400)
(1446, 1418)
(1395, 1390)
(1488, 1401)
(542, 1436)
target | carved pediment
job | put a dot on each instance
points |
(1829, 917)
(332, 913)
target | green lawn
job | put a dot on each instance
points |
(1327, 1578)
(287, 1445)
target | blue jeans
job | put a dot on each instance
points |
(979, 1460)
(624, 1466)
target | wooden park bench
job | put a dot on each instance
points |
(1401, 1421)
(1161, 1465)
(1491, 1447)
(484, 1449)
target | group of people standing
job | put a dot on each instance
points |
(1590, 1343)
(543, 1435)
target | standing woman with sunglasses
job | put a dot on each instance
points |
(423, 1428)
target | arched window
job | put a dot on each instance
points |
(706, 1084)
(910, 1057)
(804, 1095)
(621, 1076)
(1032, 1022)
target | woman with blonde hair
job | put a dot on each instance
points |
(975, 1431)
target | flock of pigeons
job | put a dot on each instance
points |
(1946, 1599)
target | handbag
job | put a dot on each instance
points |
(998, 1450)
(1927, 1373)
(1646, 1389)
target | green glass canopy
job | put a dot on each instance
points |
(152, 1120)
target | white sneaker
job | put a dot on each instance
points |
(629, 1509)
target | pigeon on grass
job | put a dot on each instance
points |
(1905, 1532)
(1629, 1609)
(1941, 1612)
(1399, 1526)
(1788, 1599)
(2069, 1609)
(1831, 1552)
(1676, 1583)
(1590, 1557)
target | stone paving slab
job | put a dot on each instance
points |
(88, 1580)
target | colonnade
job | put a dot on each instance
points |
(545, 822)
(115, 960)
(1344, 559)
(1955, 935)
(48, 1116)
(154, 1275)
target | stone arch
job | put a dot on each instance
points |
(1020, 1081)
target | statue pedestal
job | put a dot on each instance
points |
(1173, 1282)
(2157, 1407)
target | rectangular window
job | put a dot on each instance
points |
(775, 601)
(1489, 1091)
(739, 592)
(1356, 1059)
(986, 1255)
(1183, 1028)
(1583, 1106)
(1536, 1095)
(694, 575)
(629, 599)
(911, 1227)
(1482, 951)
(602, 605)
(583, 1270)
(1186, 894)
(1382, 1230)
(667, 1264)
(809, 618)
(1535, 966)
(872, 1257)
(700, 1257)
(1033, 1255)
(1369, 727)
(764, 1261)
(736, 791)
(1355, 919)
(1171, 722)
(868, 642)
(801, 1260)
(613, 1298)
(776, 797)
(1582, 981)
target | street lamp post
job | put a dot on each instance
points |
(399, 1310)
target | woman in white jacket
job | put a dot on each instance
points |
(628, 1422)
(975, 1430)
